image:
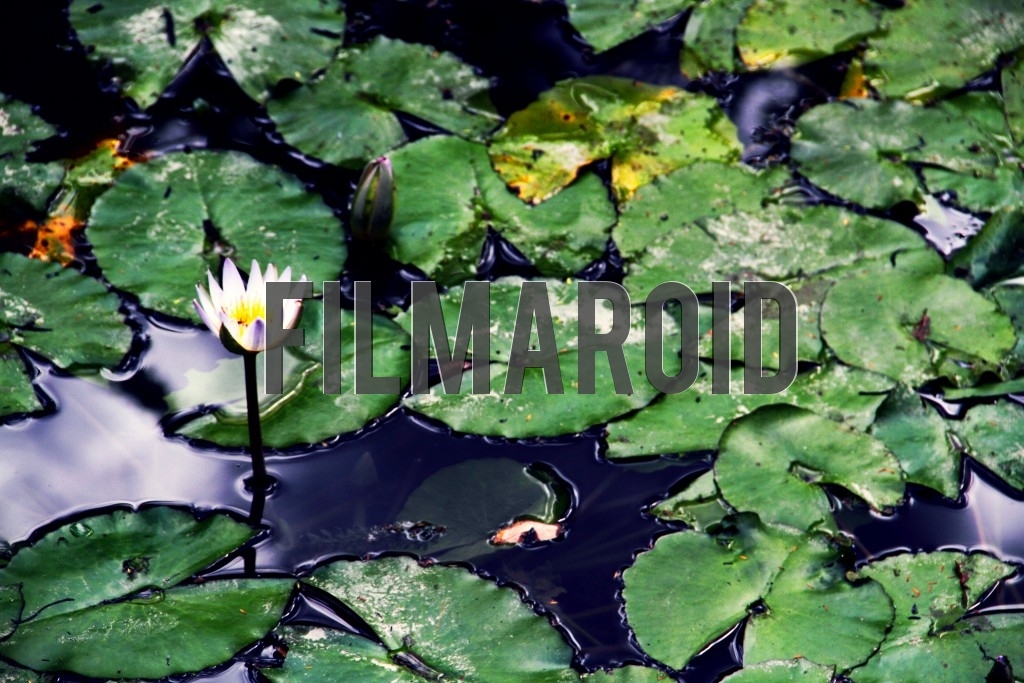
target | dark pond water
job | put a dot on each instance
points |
(101, 443)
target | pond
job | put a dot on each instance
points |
(861, 525)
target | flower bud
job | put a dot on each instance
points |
(373, 206)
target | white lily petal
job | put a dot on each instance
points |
(255, 337)
(216, 293)
(292, 310)
(271, 274)
(233, 285)
(206, 311)
(286, 276)
(255, 288)
(231, 325)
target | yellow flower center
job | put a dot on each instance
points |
(246, 311)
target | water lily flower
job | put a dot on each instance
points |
(238, 313)
(373, 205)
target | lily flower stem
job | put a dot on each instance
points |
(260, 480)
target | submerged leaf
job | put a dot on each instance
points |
(168, 221)
(261, 41)
(646, 130)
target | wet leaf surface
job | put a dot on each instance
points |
(109, 584)
(261, 42)
(23, 181)
(166, 222)
(66, 317)
(606, 23)
(774, 460)
(964, 40)
(303, 413)
(440, 227)
(347, 116)
(444, 618)
(646, 130)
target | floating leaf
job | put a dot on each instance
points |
(866, 152)
(347, 116)
(302, 413)
(930, 592)
(319, 655)
(783, 33)
(964, 40)
(699, 505)
(782, 671)
(913, 323)
(262, 42)
(695, 419)
(920, 440)
(777, 243)
(535, 411)
(70, 319)
(1012, 77)
(100, 596)
(1002, 189)
(692, 587)
(995, 253)
(628, 674)
(991, 434)
(772, 462)
(444, 619)
(440, 226)
(165, 222)
(646, 130)
(709, 42)
(24, 181)
(606, 23)
(702, 190)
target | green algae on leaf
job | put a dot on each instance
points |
(646, 130)
(774, 460)
(606, 23)
(866, 152)
(695, 419)
(347, 115)
(22, 181)
(440, 227)
(780, 242)
(786, 33)
(535, 411)
(302, 413)
(910, 321)
(701, 190)
(443, 620)
(56, 312)
(964, 39)
(167, 221)
(102, 597)
(261, 41)
(692, 588)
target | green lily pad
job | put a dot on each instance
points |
(782, 671)
(691, 588)
(101, 596)
(702, 190)
(777, 243)
(31, 183)
(70, 319)
(920, 440)
(695, 419)
(930, 592)
(865, 152)
(347, 116)
(302, 413)
(440, 226)
(700, 505)
(964, 40)
(913, 323)
(709, 41)
(12, 674)
(1013, 97)
(991, 434)
(996, 252)
(772, 461)
(628, 674)
(786, 33)
(447, 620)
(534, 411)
(319, 655)
(1002, 189)
(606, 23)
(646, 130)
(167, 221)
(262, 42)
